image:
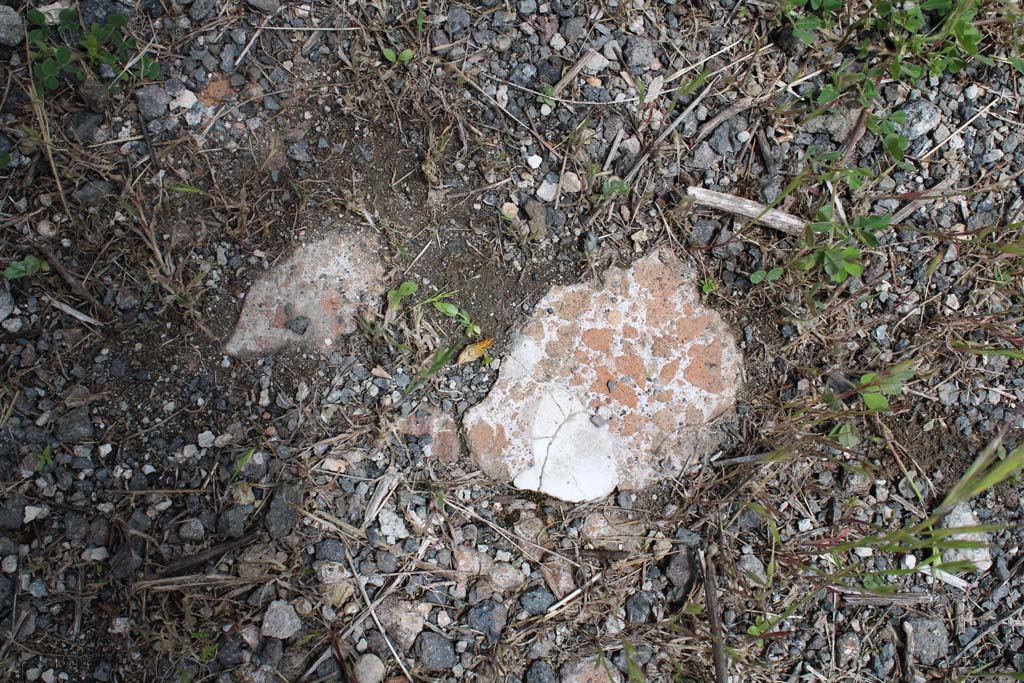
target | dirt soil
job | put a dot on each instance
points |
(171, 513)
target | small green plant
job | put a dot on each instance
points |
(885, 128)
(400, 57)
(242, 460)
(614, 186)
(443, 306)
(770, 276)
(395, 296)
(547, 96)
(67, 49)
(875, 388)
(46, 457)
(708, 286)
(441, 358)
(834, 245)
(30, 265)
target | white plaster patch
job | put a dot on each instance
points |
(608, 386)
(311, 297)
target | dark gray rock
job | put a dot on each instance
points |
(540, 672)
(638, 607)
(152, 101)
(299, 152)
(6, 301)
(12, 511)
(74, 426)
(573, 29)
(280, 621)
(95, 94)
(435, 652)
(200, 9)
(12, 28)
(537, 600)
(283, 513)
(98, 11)
(681, 570)
(6, 590)
(92, 192)
(103, 671)
(268, 6)
(930, 640)
(298, 325)
(231, 522)
(458, 20)
(331, 550)
(192, 530)
(82, 125)
(639, 53)
(488, 617)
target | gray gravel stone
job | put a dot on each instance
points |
(330, 549)
(192, 530)
(540, 672)
(489, 618)
(435, 652)
(963, 516)
(231, 522)
(268, 6)
(200, 9)
(82, 125)
(537, 600)
(369, 669)
(282, 513)
(152, 101)
(95, 94)
(751, 568)
(92, 192)
(74, 426)
(12, 511)
(6, 301)
(922, 118)
(299, 152)
(298, 325)
(681, 569)
(638, 607)
(280, 621)
(12, 28)
(931, 641)
(573, 28)
(458, 20)
(639, 53)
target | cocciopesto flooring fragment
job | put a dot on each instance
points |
(609, 385)
(312, 296)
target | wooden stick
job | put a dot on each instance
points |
(202, 557)
(373, 613)
(714, 617)
(72, 282)
(573, 72)
(718, 119)
(773, 218)
(73, 312)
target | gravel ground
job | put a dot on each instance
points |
(311, 517)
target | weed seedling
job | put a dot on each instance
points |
(770, 276)
(399, 57)
(30, 265)
(67, 49)
(395, 296)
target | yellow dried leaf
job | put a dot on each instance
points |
(474, 351)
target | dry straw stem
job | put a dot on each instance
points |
(755, 211)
